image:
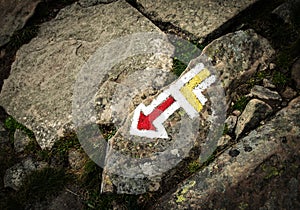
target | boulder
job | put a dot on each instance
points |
(15, 175)
(255, 111)
(136, 164)
(39, 90)
(265, 94)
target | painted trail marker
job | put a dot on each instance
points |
(186, 92)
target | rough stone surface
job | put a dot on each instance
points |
(296, 73)
(21, 140)
(265, 93)
(238, 55)
(13, 16)
(232, 180)
(231, 122)
(197, 17)
(38, 92)
(15, 175)
(116, 98)
(254, 112)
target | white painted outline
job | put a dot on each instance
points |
(180, 101)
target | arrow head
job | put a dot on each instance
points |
(145, 123)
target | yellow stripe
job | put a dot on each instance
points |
(187, 89)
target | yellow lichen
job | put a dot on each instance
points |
(180, 196)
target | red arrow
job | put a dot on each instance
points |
(146, 122)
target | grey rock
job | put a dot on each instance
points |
(38, 92)
(239, 55)
(265, 93)
(21, 140)
(137, 164)
(296, 73)
(15, 175)
(231, 122)
(197, 17)
(254, 112)
(13, 16)
(227, 172)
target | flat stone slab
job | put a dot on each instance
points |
(13, 16)
(197, 17)
(277, 139)
(38, 93)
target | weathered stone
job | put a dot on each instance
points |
(254, 112)
(21, 140)
(226, 172)
(296, 73)
(230, 123)
(137, 164)
(15, 175)
(264, 93)
(13, 16)
(38, 93)
(239, 55)
(197, 17)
